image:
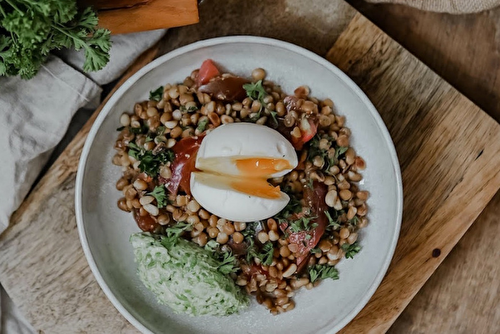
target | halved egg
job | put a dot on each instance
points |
(235, 162)
(246, 149)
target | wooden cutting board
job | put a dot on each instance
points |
(449, 152)
(126, 16)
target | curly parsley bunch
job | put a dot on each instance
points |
(30, 29)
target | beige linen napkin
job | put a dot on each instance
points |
(447, 6)
(34, 116)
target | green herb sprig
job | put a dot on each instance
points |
(149, 162)
(30, 30)
(157, 94)
(160, 195)
(350, 250)
(322, 272)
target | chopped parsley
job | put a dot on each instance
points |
(314, 150)
(322, 272)
(190, 109)
(333, 224)
(315, 250)
(292, 207)
(273, 115)
(340, 150)
(228, 264)
(143, 129)
(255, 91)
(149, 162)
(202, 125)
(266, 254)
(350, 250)
(174, 232)
(212, 246)
(157, 94)
(159, 194)
(302, 224)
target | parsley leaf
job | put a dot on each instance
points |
(212, 246)
(302, 224)
(255, 91)
(273, 115)
(32, 29)
(340, 150)
(160, 195)
(202, 125)
(190, 109)
(157, 94)
(350, 250)
(228, 264)
(292, 207)
(174, 232)
(143, 129)
(316, 250)
(322, 272)
(266, 254)
(332, 224)
(149, 162)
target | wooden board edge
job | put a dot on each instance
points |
(370, 320)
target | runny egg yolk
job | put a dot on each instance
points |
(256, 171)
(255, 187)
(261, 167)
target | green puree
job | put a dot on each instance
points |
(185, 277)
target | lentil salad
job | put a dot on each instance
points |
(273, 258)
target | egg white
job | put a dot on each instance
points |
(243, 140)
(214, 193)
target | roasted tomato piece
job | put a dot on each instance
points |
(207, 71)
(184, 163)
(146, 223)
(307, 125)
(307, 240)
(226, 88)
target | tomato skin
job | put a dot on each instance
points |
(308, 124)
(308, 128)
(307, 240)
(184, 163)
(146, 223)
(207, 71)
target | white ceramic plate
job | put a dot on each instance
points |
(105, 230)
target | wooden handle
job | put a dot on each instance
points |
(126, 16)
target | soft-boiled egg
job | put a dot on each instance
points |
(234, 162)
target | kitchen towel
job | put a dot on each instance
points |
(34, 116)
(447, 6)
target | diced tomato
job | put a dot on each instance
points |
(184, 163)
(308, 125)
(146, 223)
(308, 128)
(307, 240)
(226, 89)
(207, 71)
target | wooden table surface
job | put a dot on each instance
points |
(462, 296)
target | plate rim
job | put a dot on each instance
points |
(212, 42)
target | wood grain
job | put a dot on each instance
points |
(462, 296)
(463, 49)
(448, 150)
(41, 249)
(126, 16)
